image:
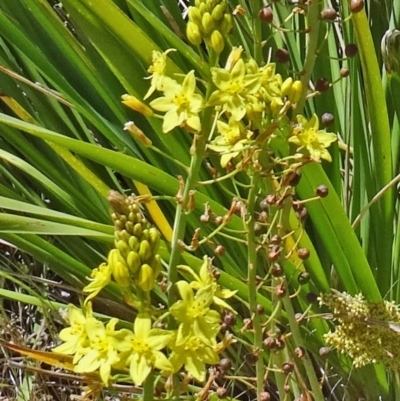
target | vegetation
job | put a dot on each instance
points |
(199, 203)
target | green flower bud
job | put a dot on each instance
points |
(157, 265)
(145, 251)
(134, 262)
(123, 248)
(137, 230)
(207, 23)
(194, 15)
(193, 33)
(154, 239)
(133, 243)
(146, 278)
(295, 92)
(129, 227)
(121, 274)
(203, 8)
(287, 86)
(218, 11)
(197, 3)
(217, 42)
(226, 24)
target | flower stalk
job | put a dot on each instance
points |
(252, 273)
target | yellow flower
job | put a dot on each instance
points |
(100, 277)
(206, 278)
(145, 348)
(231, 141)
(195, 315)
(194, 355)
(103, 349)
(75, 336)
(157, 71)
(306, 135)
(181, 104)
(235, 89)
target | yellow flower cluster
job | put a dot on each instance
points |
(134, 260)
(209, 21)
(368, 332)
(103, 349)
(247, 99)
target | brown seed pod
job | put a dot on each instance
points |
(275, 239)
(288, 367)
(225, 364)
(300, 352)
(344, 72)
(282, 56)
(322, 191)
(324, 351)
(356, 5)
(327, 119)
(266, 15)
(277, 270)
(322, 85)
(219, 250)
(328, 14)
(260, 309)
(265, 396)
(303, 278)
(229, 319)
(350, 50)
(303, 253)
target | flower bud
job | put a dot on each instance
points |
(193, 33)
(207, 23)
(123, 248)
(135, 104)
(295, 92)
(217, 42)
(133, 261)
(138, 134)
(218, 11)
(146, 278)
(194, 15)
(145, 251)
(287, 86)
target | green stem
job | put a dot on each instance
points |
(191, 182)
(148, 388)
(312, 47)
(298, 340)
(257, 36)
(252, 273)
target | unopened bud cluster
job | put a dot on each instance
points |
(368, 332)
(136, 245)
(209, 21)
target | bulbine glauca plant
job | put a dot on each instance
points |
(242, 121)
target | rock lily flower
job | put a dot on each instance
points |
(181, 104)
(157, 71)
(204, 279)
(307, 135)
(235, 89)
(103, 349)
(195, 315)
(194, 355)
(100, 277)
(145, 349)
